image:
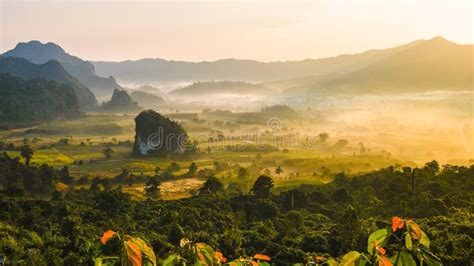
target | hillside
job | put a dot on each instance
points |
(221, 87)
(120, 102)
(155, 70)
(36, 100)
(435, 64)
(39, 53)
(145, 99)
(51, 70)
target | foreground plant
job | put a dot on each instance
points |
(134, 251)
(404, 243)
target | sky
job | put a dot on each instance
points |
(108, 30)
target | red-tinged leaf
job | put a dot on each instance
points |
(134, 254)
(107, 236)
(384, 261)
(397, 223)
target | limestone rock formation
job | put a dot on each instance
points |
(120, 102)
(157, 135)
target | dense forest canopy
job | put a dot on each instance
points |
(41, 224)
(36, 100)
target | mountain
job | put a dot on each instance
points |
(160, 70)
(417, 66)
(39, 53)
(435, 64)
(120, 102)
(146, 99)
(36, 100)
(220, 87)
(51, 70)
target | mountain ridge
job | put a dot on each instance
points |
(155, 70)
(50, 70)
(39, 53)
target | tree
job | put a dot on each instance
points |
(262, 187)
(153, 187)
(431, 167)
(211, 186)
(113, 202)
(193, 168)
(341, 143)
(323, 136)
(64, 175)
(175, 234)
(243, 173)
(173, 167)
(107, 151)
(95, 183)
(27, 153)
(278, 170)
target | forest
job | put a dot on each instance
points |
(42, 225)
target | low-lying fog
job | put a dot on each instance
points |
(418, 127)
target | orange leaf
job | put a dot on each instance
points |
(381, 250)
(397, 223)
(261, 257)
(384, 261)
(107, 236)
(415, 230)
(319, 259)
(219, 257)
(133, 253)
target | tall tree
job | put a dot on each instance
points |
(263, 186)
(211, 186)
(27, 153)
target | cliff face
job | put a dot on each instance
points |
(120, 102)
(157, 135)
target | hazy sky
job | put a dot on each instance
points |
(195, 31)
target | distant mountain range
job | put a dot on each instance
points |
(51, 70)
(419, 65)
(435, 64)
(39, 53)
(222, 87)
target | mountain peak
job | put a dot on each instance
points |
(36, 45)
(440, 41)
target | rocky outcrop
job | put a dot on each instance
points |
(156, 135)
(120, 102)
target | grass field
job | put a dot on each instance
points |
(261, 152)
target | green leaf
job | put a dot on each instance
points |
(380, 236)
(106, 261)
(351, 259)
(403, 258)
(173, 260)
(408, 242)
(330, 262)
(424, 240)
